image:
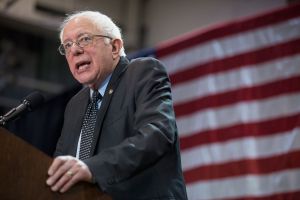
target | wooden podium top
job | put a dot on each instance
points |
(23, 172)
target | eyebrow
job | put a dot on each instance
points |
(79, 35)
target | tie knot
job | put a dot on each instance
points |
(96, 96)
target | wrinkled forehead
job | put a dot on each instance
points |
(78, 26)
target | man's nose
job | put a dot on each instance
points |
(76, 49)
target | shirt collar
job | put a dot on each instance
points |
(102, 87)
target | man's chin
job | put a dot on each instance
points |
(89, 84)
(85, 80)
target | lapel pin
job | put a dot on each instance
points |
(110, 91)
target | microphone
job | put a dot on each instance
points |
(30, 102)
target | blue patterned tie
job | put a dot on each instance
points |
(88, 126)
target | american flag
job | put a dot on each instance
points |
(236, 92)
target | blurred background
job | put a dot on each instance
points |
(188, 36)
(29, 59)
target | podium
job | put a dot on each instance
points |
(23, 174)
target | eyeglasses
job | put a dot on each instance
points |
(81, 42)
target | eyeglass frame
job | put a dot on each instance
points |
(62, 50)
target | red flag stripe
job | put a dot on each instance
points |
(250, 58)
(286, 86)
(257, 129)
(234, 27)
(290, 160)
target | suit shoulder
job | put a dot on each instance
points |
(146, 63)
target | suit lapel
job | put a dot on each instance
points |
(109, 92)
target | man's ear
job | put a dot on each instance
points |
(116, 44)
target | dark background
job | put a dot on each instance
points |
(21, 55)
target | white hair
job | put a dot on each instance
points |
(101, 21)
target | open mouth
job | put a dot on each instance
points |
(82, 65)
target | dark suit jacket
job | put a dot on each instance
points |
(135, 153)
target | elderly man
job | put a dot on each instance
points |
(119, 131)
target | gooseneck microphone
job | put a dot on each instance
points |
(30, 102)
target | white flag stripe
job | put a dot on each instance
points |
(231, 45)
(242, 112)
(247, 76)
(238, 149)
(243, 186)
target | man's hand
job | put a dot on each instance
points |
(65, 171)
